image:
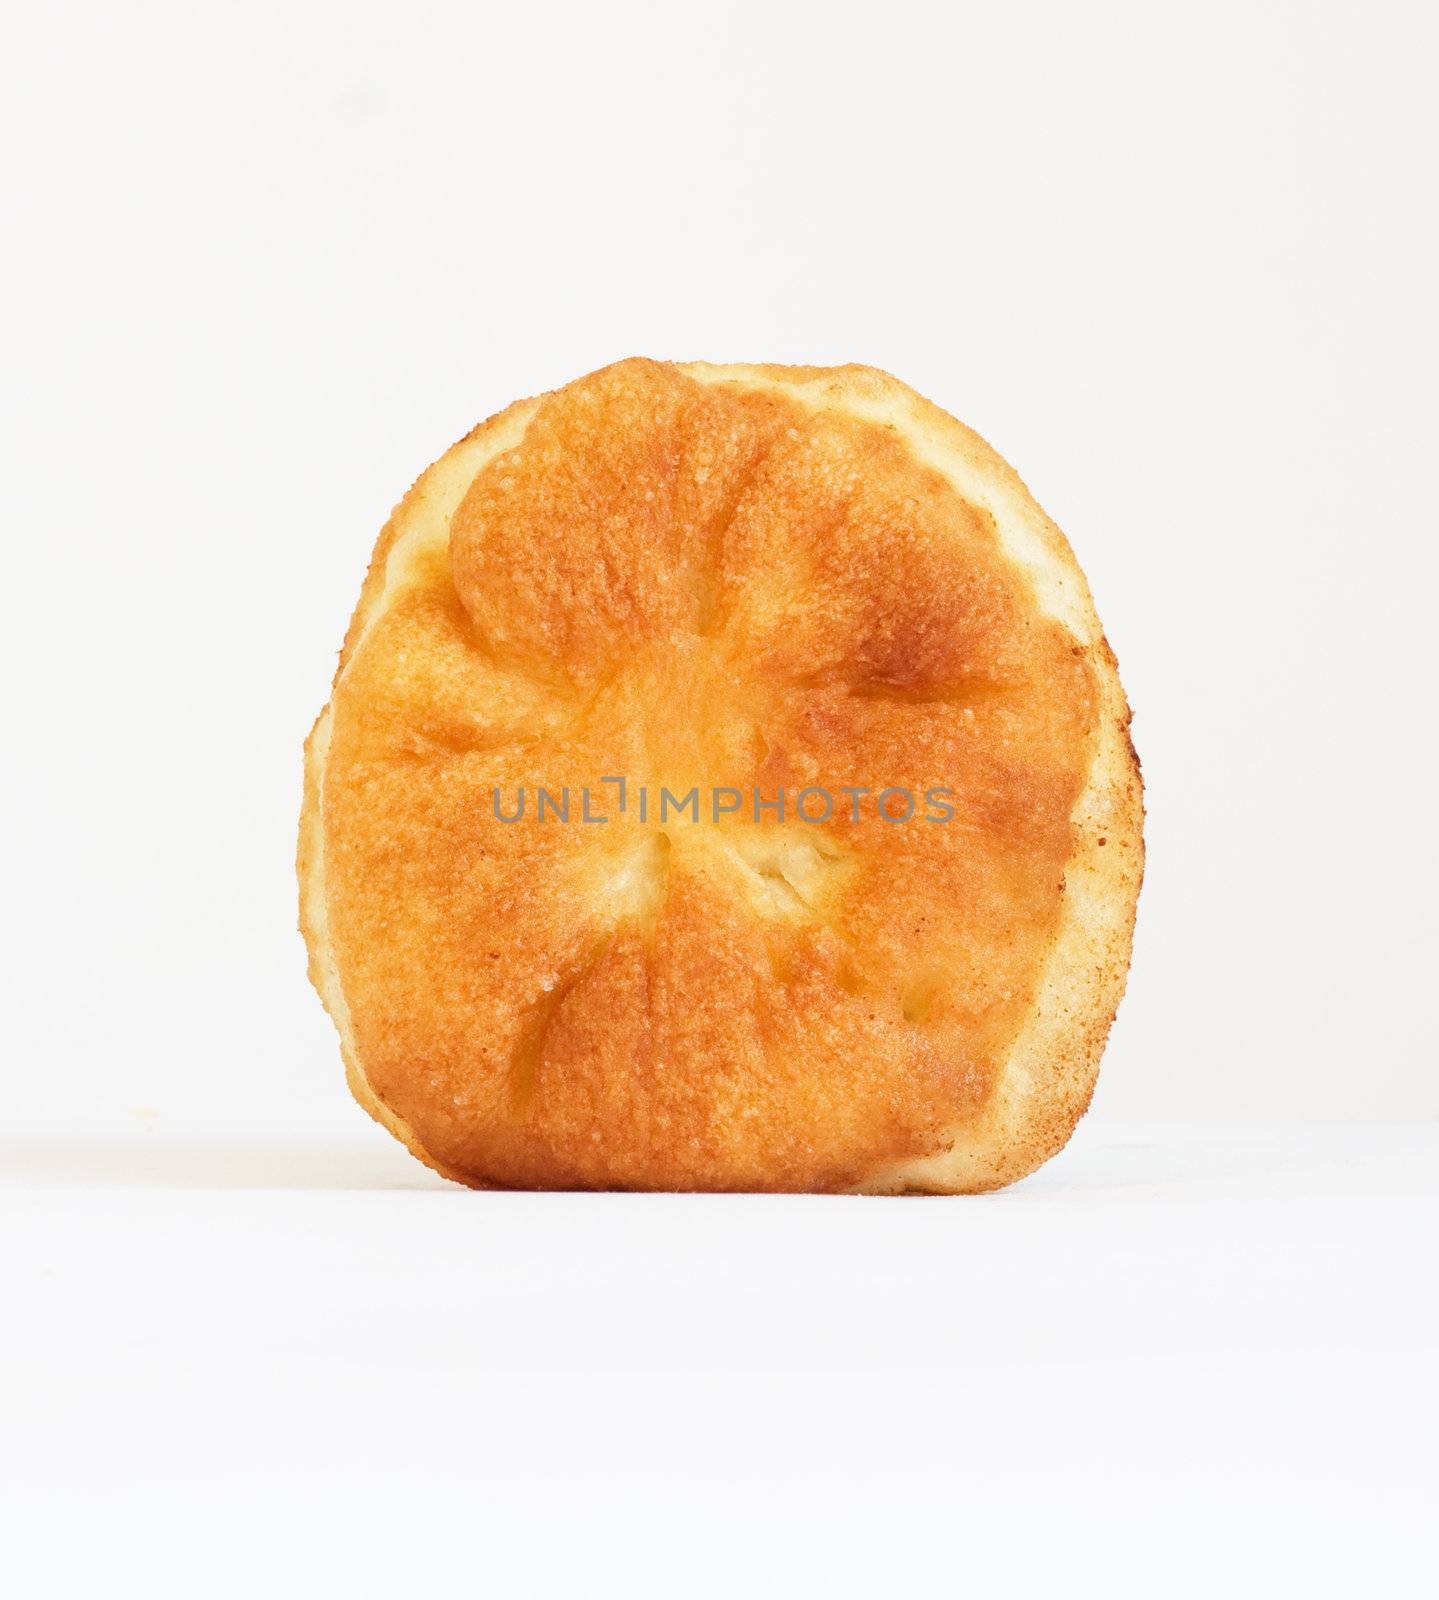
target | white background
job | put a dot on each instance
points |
(261, 264)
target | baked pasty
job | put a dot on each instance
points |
(692, 604)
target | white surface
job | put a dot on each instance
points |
(1175, 1362)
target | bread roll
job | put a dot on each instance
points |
(832, 881)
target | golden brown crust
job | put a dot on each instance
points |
(760, 578)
